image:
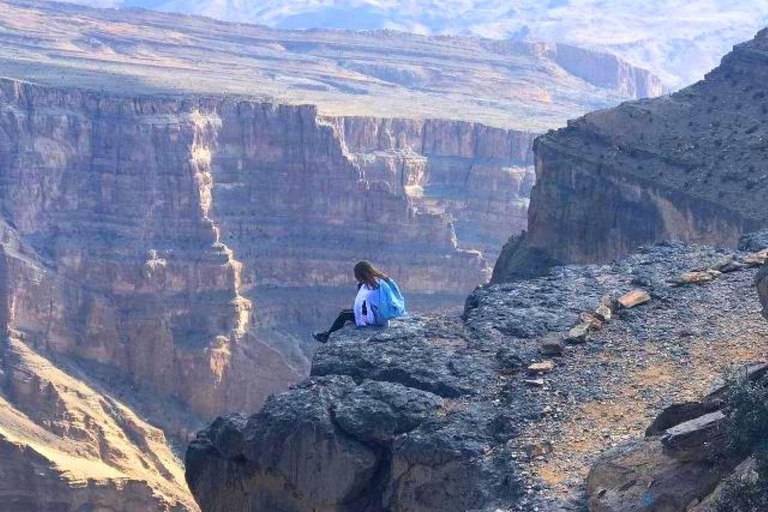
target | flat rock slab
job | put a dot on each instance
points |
(542, 367)
(693, 439)
(698, 277)
(634, 298)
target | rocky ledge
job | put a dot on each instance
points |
(505, 408)
(689, 166)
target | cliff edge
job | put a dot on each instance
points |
(504, 409)
(689, 166)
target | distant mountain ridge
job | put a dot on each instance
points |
(675, 39)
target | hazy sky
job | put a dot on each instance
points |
(678, 39)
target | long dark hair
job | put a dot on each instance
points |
(367, 274)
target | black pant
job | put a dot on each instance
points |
(346, 315)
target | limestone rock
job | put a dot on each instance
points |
(578, 334)
(542, 367)
(641, 477)
(595, 324)
(65, 445)
(603, 313)
(679, 413)
(386, 440)
(756, 259)
(634, 298)
(692, 439)
(698, 277)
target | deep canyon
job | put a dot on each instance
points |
(598, 372)
(182, 199)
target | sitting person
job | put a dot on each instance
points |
(378, 300)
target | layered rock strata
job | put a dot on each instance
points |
(139, 232)
(509, 84)
(688, 166)
(67, 446)
(437, 413)
(478, 175)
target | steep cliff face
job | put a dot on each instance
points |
(478, 175)
(111, 254)
(606, 70)
(139, 232)
(67, 446)
(505, 409)
(689, 166)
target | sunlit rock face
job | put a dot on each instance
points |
(152, 239)
(689, 166)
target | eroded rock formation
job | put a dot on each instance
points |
(67, 446)
(679, 467)
(438, 414)
(509, 84)
(137, 233)
(689, 166)
(480, 176)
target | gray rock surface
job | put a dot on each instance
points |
(437, 413)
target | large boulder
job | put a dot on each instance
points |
(389, 420)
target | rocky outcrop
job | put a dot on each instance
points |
(686, 166)
(441, 414)
(67, 446)
(678, 468)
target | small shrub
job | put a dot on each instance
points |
(747, 434)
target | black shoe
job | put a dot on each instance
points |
(322, 337)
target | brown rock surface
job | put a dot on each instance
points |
(66, 446)
(688, 166)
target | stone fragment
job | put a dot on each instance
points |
(756, 259)
(578, 334)
(551, 346)
(702, 277)
(728, 264)
(542, 367)
(535, 450)
(634, 298)
(594, 323)
(603, 313)
(677, 414)
(534, 382)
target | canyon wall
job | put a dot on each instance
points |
(158, 241)
(67, 446)
(606, 70)
(480, 176)
(689, 166)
